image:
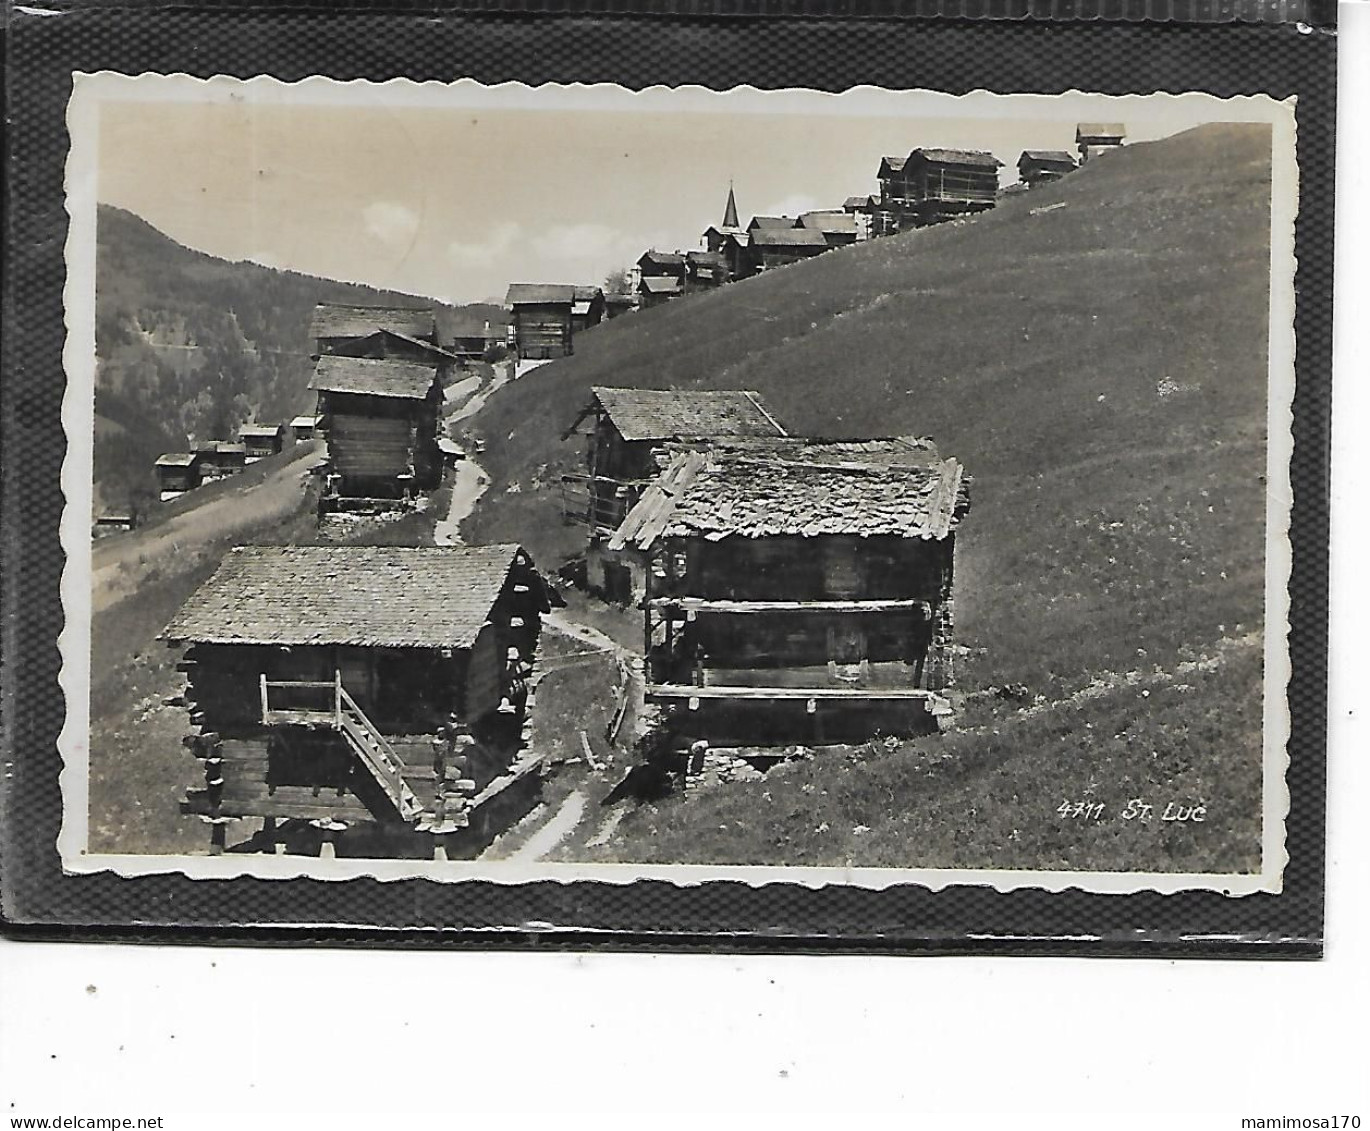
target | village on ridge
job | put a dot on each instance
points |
(793, 591)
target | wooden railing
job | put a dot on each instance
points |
(340, 711)
(597, 501)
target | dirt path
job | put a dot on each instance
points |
(562, 824)
(470, 484)
(504, 373)
(119, 565)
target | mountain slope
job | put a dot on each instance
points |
(189, 343)
(1093, 351)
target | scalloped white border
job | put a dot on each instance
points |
(78, 412)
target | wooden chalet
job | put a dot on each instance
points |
(335, 327)
(541, 315)
(114, 522)
(588, 309)
(218, 459)
(798, 590)
(303, 428)
(705, 270)
(838, 228)
(377, 690)
(662, 265)
(1041, 166)
(261, 440)
(469, 335)
(380, 419)
(177, 473)
(653, 290)
(1094, 138)
(891, 202)
(629, 439)
(779, 247)
(944, 184)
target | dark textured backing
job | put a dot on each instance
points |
(829, 53)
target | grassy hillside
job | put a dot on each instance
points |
(189, 343)
(1095, 353)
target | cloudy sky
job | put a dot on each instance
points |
(454, 192)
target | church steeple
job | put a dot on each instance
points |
(730, 213)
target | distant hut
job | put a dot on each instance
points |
(653, 290)
(470, 334)
(114, 522)
(632, 430)
(541, 318)
(378, 689)
(863, 210)
(1041, 166)
(1094, 138)
(944, 184)
(336, 327)
(838, 228)
(380, 418)
(705, 270)
(177, 473)
(304, 428)
(587, 310)
(737, 255)
(218, 459)
(892, 202)
(779, 247)
(798, 590)
(261, 440)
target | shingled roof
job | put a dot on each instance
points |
(976, 157)
(787, 237)
(683, 414)
(660, 285)
(377, 377)
(1100, 129)
(829, 221)
(335, 321)
(540, 293)
(896, 487)
(1054, 155)
(376, 596)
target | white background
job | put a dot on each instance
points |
(291, 1035)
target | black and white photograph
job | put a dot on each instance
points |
(514, 482)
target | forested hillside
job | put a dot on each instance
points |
(192, 345)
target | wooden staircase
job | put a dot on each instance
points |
(367, 743)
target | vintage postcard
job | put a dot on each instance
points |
(578, 483)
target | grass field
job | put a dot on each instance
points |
(1094, 352)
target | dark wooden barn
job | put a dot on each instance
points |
(177, 473)
(944, 184)
(628, 441)
(705, 270)
(662, 265)
(1041, 166)
(380, 689)
(892, 201)
(1094, 138)
(779, 247)
(471, 334)
(542, 319)
(304, 428)
(653, 290)
(616, 305)
(261, 440)
(588, 309)
(218, 459)
(798, 590)
(380, 420)
(335, 326)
